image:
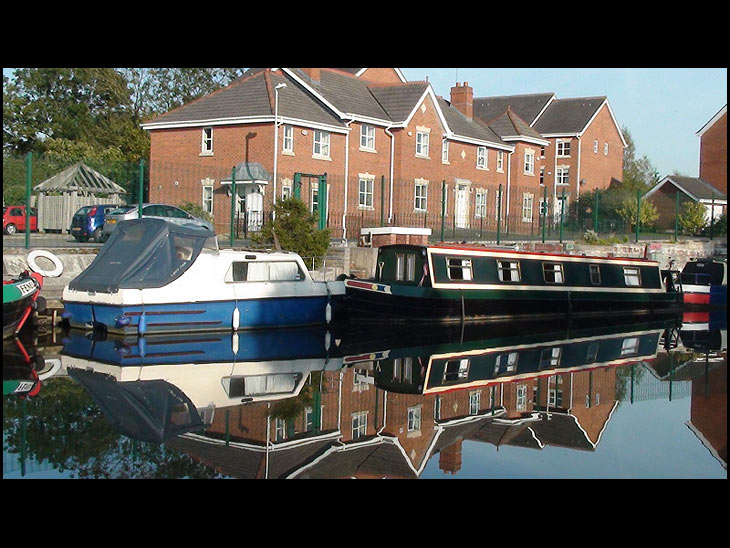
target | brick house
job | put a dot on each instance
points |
(672, 189)
(713, 150)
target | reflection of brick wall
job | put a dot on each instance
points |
(709, 409)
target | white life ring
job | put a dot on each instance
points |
(57, 271)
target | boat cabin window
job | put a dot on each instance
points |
(403, 370)
(630, 347)
(592, 354)
(456, 370)
(264, 271)
(595, 271)
(459, 269)
(405, 267)
(553, 273)
(632, 276)
(509, 271)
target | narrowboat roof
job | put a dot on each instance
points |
(495, 249)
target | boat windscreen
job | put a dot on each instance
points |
(143, 253)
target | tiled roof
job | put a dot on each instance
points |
(510, 124)
(526, 107)
(696, 187)
(399, 100)
(568, 115)
(461, 126)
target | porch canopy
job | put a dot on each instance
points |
(249, 173)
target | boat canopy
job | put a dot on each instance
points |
(144, 253)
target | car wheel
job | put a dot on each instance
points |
(97, 235)
(10, 229)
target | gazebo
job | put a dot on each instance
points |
(79, 186)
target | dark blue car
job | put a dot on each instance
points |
(88, 221)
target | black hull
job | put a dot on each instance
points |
(12, 314)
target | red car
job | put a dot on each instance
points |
(14, 219)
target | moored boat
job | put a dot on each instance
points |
(152, 276)
(461, 283)
(19, 297)
(704, 282)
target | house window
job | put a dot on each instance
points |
(314, 198)
(542, 151)
(529, 162)
(422, 144)
(474, 401)
(550, 357)
(459, 269)
(553, 273)
(365, 194)
(542, 176)
(288, 142)
(544, 207)
(421, 195)
(414, 418)
(456, 370)
(632, 276)
(321, 146)
(605, 149)
(506, 363)
(481, 157)
(208, 199)
(308, 419)
(595, 146)
(359, 424)
(445, 152)
(562, 175)
(367, 137)
(509, 271)
(500, 161)
(595, 272)
(480, 209)
(527, 199)
(521, 403)
(563, 148)
(437, 408)
(207, 143)
(286, 191)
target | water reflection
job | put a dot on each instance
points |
(329, 403)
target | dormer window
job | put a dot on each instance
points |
(207, 142)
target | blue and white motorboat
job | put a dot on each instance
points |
(152, 276)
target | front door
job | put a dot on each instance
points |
(254, 210)
(461, 205)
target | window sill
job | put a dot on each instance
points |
(318, 157)
(287, 153)
(206, 154)
(370, 150)
(422, 157)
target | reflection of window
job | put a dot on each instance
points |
(550, 357)
(414, 418)
(459, 269)
(456, 370)
(521, 397)
(437, 408)
(474, 400)
(506, 363)
(509, 271)
(403, 370)
(595, 274)
(553, 273)
(359, 424)
(280, 429)
(592, 354)
(630, 346)
(632, 276)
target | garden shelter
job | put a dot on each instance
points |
(60, 196)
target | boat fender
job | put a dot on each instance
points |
(142, 327)
(57, 264)
(236, 319)
(328, 313)
(142, 345)
(122, 321)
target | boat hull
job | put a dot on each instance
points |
(705, 295)
(367, 301)
(201, 316)
(18, 299)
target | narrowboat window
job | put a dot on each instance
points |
(632, 276)
(595, 274)
(506, 363)
(456, 370)
(400, 267)
(550, 357)
(509, 271)
(403, 370)
(592, 353)
(459, 269)
(630, 346)
(553, 273)
(411, 267)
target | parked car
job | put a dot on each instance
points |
(161, 211)
(14, 219)
(88, 221)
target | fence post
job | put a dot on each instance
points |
(676, 216)
(543, 211)
(443, 208)
(298, 186)
(595, 214)
(233, 200)
(562, 210)
(28, 173)
(638, 213)
(499, 212)
(322, 197)
(141, 186)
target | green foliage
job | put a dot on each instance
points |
(638, 173)
(295, 229)
(719, 227)
(692, 217)
(647, 214)
(591, 237)
(196, 210)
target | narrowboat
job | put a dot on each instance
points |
(153, 276)
(461, 283)
(704, 282)
(19, 297)
(24, 371)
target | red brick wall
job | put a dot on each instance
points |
(713, 155)
(596, 168)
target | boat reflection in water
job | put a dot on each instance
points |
(311, 403)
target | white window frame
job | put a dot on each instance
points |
(321, 144)
(414, 418)
(632, 276)
(527, 206)
(474, 402)
(208, 200)
(595, 146)
(529, 162)
(500, 161)
(605, 149)
(422, 197)
(480, 203)
(287, 142)
(513, 266)
(422, 143)
(359, 424)
(482, 157)
(367, 138)
(459, 265)
(557, 271)
(206, 142)
(445, 152)
(521, 397)
(562, 175)
(365, 197)
(280, 429)
(562, 147)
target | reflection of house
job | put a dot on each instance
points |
(708, 411)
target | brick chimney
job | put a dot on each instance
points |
(450, 458)
(462, 98)
(313, 73)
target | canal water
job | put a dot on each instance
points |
(621, 398)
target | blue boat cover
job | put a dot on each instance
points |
(143, 253)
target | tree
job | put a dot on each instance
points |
(693, 217)
(295, 229)
(638, 173)
(647, 214)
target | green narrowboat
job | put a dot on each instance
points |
(460, 283)
(19, 297)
